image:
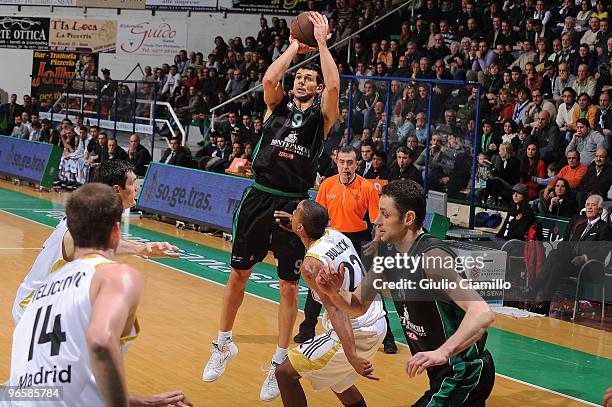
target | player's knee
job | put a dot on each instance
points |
(285, 372)
(289, 289)
(239, 276)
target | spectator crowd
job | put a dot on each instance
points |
(539, 71)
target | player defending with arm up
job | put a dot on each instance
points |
(285, 163)
(445, 328)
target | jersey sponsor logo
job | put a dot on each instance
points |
(283, 154)
(44, 376)
(415, 329)
(412, 336)
(289, 144)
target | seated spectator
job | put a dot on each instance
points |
(404, 168)
(565, 114)
(115, 151)
(573, 172)
(522, 104)
(450, 125)
(584, 240)
(586, 141)
(503, 106)
(176, 154)
(505, 174)
(510, 133)
(367, 149)
(138, 156)
(483, 173)
(584, 110)
(532, 167)
(520, 217)
(598, 178)
(589, 38)
(20, 130)
(603, 118)
(584, 83)
(561, 201)
(247, 152)
(220, 157)
(547, 136)
(378, 169)
(564, 80)
(413, 144)
(490, 140)
(536, 106)
(172, 82)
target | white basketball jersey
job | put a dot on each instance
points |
(50, 343)
(49, 257)
(335, 247)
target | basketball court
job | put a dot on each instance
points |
(540, 361)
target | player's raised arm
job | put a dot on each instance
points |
(115, 294)
(273, 89)
(331, 77)
(478, 316)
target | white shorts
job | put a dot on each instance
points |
(321, 360)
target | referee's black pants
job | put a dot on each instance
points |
(312, 309)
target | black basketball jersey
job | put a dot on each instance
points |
(429, 317)
(287, 154)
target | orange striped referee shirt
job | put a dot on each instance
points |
(347, 204)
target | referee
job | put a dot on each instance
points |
(347, 197)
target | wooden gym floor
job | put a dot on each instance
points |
(540, 362)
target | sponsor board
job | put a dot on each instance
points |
(194, 5)
(29, 160)
(151, 38)
(24, 32)
(82, 35)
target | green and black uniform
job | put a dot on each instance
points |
(429, 318)
(285, 163)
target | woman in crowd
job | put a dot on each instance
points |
(532, 167)
(562, 202)
(520, 216)
(503, 106)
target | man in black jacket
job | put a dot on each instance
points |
(404, 166)
(587, 237)
(176, 154)
(138, 156)
(598, 178)
(548, 137)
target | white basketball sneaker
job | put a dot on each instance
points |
(269, 390)
(218, 360)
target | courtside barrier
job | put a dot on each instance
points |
(192, 195)
(29, 160)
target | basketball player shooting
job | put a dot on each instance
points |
(284, 166)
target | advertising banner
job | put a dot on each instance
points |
(192, 195)
(277, 6)
(553, 228)
(127, 4)
(152, 38)
(82, 35)
(24, 32)
(193, 5)
(49, 67)
(61, 3)
(29, 160)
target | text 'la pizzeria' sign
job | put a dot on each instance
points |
(83, 35)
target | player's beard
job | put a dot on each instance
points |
(305, 98)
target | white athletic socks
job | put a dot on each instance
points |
(279, 355)
(224, 337)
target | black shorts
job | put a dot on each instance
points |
(255, 232)
(468, 385)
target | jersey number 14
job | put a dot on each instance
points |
(56, 336)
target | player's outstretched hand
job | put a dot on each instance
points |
(159, 249)
(422, 360)
(329, 280)
(283, 220)
(321, 27)
(363, 367)
(303, 48)
(169, 398)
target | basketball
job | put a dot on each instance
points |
(303, 30)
